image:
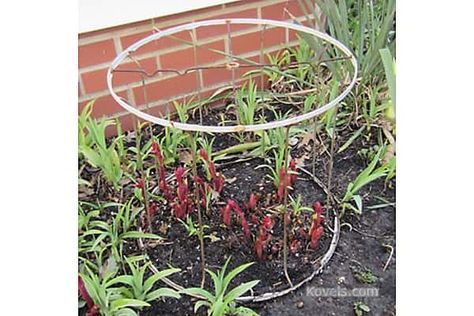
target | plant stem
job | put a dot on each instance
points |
(315, 133)
(198, 208)
(330, 199)
(141, 172)
(285, 211)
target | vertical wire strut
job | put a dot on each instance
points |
(192, 142)
(145, 92)
(231, 55)
(262, 56)
(330, 198)
(285, 210)
(198, 73)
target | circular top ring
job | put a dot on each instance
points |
(236, 128)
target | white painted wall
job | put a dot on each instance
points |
(100, 14)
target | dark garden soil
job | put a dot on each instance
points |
(363, 245)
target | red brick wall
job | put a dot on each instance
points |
(97, 49)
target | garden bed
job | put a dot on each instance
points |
(243, 176)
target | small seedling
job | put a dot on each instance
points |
(360, 308)
(190, 227)
(297, 207)
(366, 277)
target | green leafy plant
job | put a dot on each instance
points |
(84, 138)
(364, 26)
(182, 109)
(280, 59)
(207, 144)
(246, 103)
(297, 207)
(366, 277)
(112, 236)
(86, 215)
(390, 73)
(360, 308)
(303, 55)
(191, 228)
(141, 289)
(309, 102)
(141, 152)
(278, 162)
(172, 140)
(106, 300)
(93, 146)
(222, 302)
(367, 175)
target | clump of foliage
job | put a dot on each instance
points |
(221, 302)
(94, 148)
(103, 298)
(246, 103)
(137, 287)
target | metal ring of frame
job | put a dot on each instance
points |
(236, 128)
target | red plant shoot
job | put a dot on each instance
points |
(254, 219)
(287, 179)
(268, 223)
(182, 191)
(225, 211)
(263, 237)
(152, 210)
(293, 175)
(92, 309)
(217, 179)
(163, 186)
(179, 210)
(295, 245)
(181, 207)
(204, 190)
(218, 183)
(317, 229)
(302, 233)
(245, 227)
(156, 150)
(281, 185)
(252, 203)
(232, 205)
(166, 190)
(141, 185)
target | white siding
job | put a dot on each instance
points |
(100, 14)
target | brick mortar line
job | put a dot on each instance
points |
(164, 51)
(133, 85)
(81, 86)
(150, 23)
(117, 44)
